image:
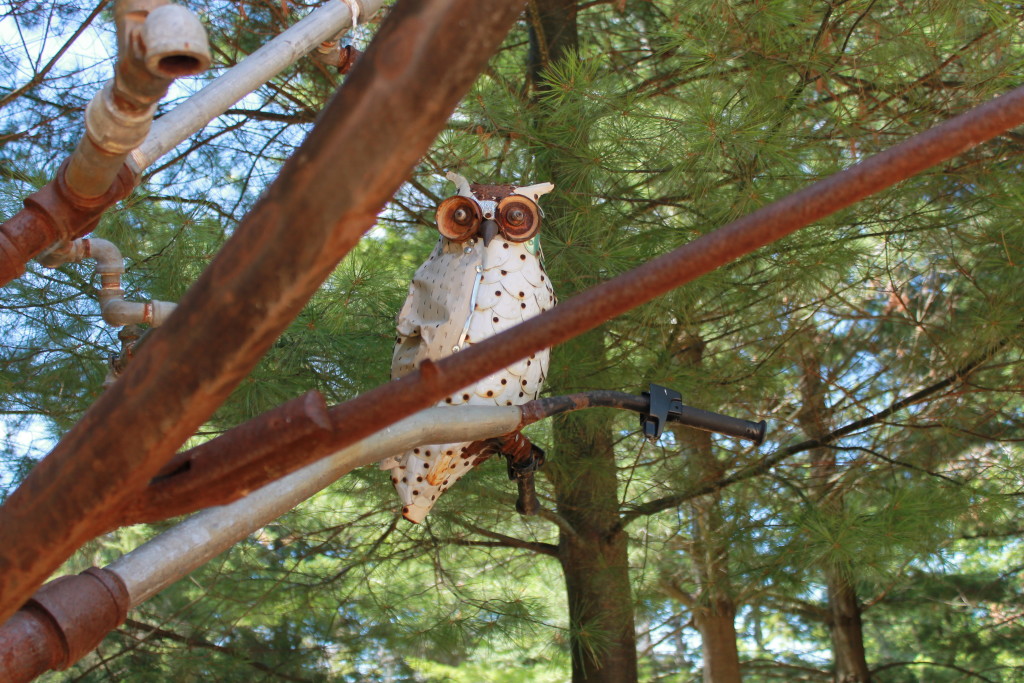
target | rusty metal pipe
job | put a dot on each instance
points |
(404, 88)
(35, 639)
(64, 621)
(52, 215)
(117, 119)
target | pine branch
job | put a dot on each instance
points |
(966, 672)
(558, 520)
(674, 591)
(40, 75)
(258, 115)
(202, 643)
(502, 540)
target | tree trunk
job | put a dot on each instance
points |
(846, 630)
(594, 558)
(593, 550)
(848, 655)
(714, 611)
(594, 554)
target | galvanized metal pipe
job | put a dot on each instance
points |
(160, 562)
(110, 267)
(157, 42)
(214, 99)
(69, 617)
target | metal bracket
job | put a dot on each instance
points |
(666, 404)
(662, 402)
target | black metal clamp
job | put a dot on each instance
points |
(667, 405)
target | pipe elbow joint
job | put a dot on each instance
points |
(173, 43)
(107, 255)
(61, 252)
(117, 312)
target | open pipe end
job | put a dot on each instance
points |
(176, 66)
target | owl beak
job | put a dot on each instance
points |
(487, 231)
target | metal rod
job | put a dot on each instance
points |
(178, 551)
(395, 100)
(193, 114)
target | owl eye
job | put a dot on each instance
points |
(518, 218)
(458, 218)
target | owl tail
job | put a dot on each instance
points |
(422, 475)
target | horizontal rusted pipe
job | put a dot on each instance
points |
(389, 402)
(403, 89)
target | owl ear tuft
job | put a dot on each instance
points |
(534, 192)
(461, 184)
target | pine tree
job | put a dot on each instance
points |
(884, 554)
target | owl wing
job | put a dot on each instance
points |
(435, 311)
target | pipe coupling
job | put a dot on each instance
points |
(160, 311)
(116, 131)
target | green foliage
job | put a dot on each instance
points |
(667, 121)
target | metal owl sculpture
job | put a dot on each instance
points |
(484, 276)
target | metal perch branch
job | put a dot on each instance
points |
(69, 617)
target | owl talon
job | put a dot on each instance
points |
(520, 467)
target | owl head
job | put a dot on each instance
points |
(486, 211)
